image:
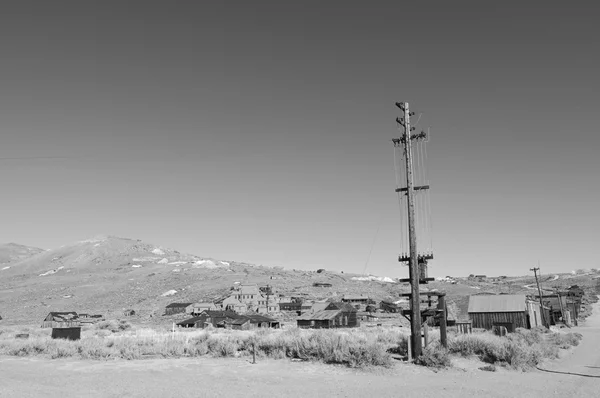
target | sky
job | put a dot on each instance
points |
(261, 131)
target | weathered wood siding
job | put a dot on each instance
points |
(53, 324)
(485, 320)
(341, 320)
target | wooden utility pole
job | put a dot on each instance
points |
(415, 315)
(535, 270)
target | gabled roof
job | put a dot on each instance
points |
(61, 316)
(319, 316)
(499, 303)
(178, 305)
(316, 307)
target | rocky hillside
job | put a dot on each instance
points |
(11, 253)
(107, 275)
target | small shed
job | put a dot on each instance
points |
(61, 320)
(177, 308)
(71, 333)
(509, 310)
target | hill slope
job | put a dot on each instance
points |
(107, 274)
(11, 253)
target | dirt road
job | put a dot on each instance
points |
(239, 378)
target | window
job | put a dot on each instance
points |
(312, 323)
(346, 321)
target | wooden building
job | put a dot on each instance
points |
(197, 308)
(354, 299)
(511, 311)
(61, 320)
(177, 308)
(229, 320)
(322, 284)
(295, 306)
(70, 333)
(335, 315)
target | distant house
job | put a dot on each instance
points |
(290, 306)
(177, 308)
(229, 320)
(322, 284)
(251, 298)
(261, 321)
(197, 308)
(356, 299)
(233, 304)
(61, 320)
(335, 315)
(128, 312)
(511, 311)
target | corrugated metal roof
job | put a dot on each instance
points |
(319, 316)
(500, 303)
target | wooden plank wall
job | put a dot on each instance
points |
(485, 320)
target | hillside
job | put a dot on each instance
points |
(108, 274)
(11, 253)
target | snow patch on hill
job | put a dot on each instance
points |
(158, 251)
(373, 278)
(169, 293)
(52, 271)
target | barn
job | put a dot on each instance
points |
(509, 310)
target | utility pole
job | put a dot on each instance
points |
(415, 315)
(535, 270)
